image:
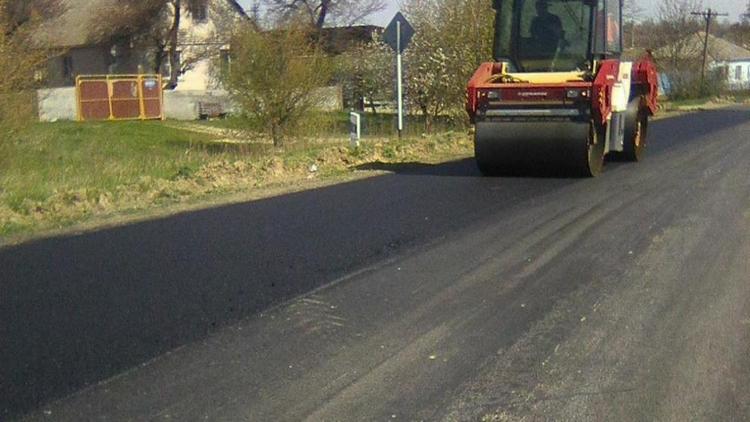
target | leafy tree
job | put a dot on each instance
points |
(322, 12)
(452, 39)
(273, 77)
(365, 73)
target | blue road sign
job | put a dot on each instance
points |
(391, 36)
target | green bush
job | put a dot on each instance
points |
(273, 77)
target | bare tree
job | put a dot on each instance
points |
(632, 11)
(322, 12)
(676, 19)
(19, 64)
(672, 34)
(678, 46)
(16, 14)
(256, 16)
(739, 32)
(158, 24)
(631, 14)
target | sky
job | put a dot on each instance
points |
(733, 7)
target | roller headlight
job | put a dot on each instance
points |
(575, 94)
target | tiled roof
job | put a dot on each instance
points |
(719, 49)
(78, 25)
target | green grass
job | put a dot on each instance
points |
(731, 97)
(52, 157)
(54, 175)
(742, 96)
(336, 124)
(688, 102)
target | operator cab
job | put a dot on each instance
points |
(533, 36)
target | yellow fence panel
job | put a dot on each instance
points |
(119, 97)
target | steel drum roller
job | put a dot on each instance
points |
(533, 147)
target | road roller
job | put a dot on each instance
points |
(557, 97)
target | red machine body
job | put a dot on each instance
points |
(558, 93)
(643, 78)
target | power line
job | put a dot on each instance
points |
(708, 15)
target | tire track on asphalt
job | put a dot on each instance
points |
(450, 287)
(585, 394)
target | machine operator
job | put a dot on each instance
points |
(546, 28)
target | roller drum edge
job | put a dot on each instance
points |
(554, 148)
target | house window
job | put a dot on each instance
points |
(225, 59)
(738, 73)
(169, 65)
(40, 75)
(613, 18)
(226, 56)
(67, 67)
(199, 11)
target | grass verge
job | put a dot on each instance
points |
(61, 177)
(707, 103)
(70, 176)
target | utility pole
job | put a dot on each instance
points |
(708, 15)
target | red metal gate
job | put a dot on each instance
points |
(119, 97)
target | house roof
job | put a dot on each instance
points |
(719, 49)
(337, 40)
(237, 7)
(74, 28)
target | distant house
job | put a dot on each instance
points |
(727, 59)
(732, 61)
(337, 40)
(88, 47)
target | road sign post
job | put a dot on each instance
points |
(355, 132)
(399, 81)
(398, 35)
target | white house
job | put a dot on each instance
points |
(734, 62)
(730, 60)
(88, 45)
(204, 37)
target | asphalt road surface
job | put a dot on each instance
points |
(429, 294)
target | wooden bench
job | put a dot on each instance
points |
(207, 110)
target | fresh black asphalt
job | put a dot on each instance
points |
(77, 310)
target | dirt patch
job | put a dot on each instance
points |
(234, 134)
